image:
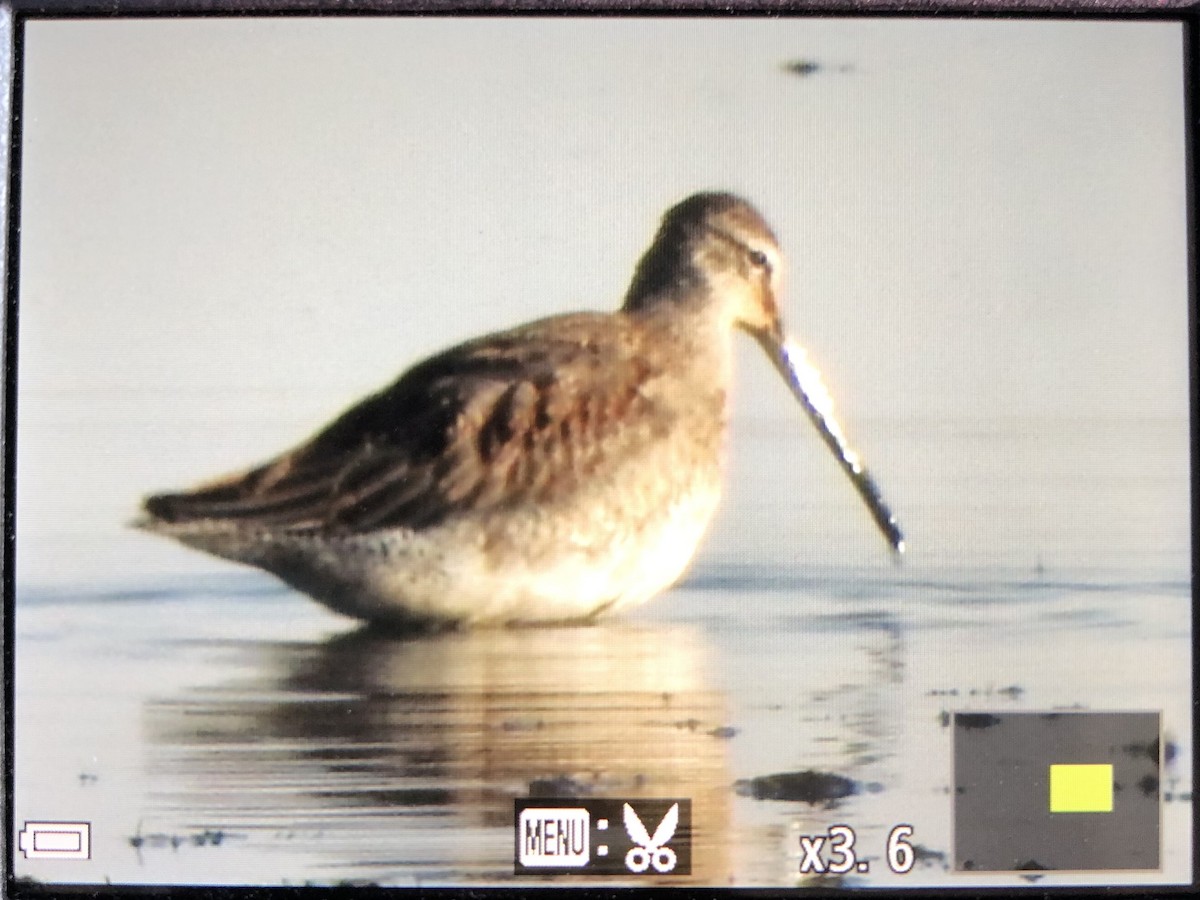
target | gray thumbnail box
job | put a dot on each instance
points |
(1003, 818)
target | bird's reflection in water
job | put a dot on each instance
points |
(396, 760)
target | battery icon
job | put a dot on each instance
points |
(56, 840)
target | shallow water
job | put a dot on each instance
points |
(229, 731)
(215, 727)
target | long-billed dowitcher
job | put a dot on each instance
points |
(554, 472)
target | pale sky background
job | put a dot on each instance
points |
(233, 228)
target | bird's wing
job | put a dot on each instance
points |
(501, 420)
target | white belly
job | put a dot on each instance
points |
(579, 581)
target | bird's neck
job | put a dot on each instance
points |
(666, 274)
(693, 343)
(672, 299)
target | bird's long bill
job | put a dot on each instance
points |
(805, 381)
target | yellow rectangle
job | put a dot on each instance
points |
(1081, 788)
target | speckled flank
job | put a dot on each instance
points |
(554, 472)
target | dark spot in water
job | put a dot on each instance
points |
(411, 797)
(1031, 865)
(558, 786)
(1142, 750)
(801, 67)
(808, 787)
(1148, 785)
(1013, 691)
(724, 732)
(973, 721)
(520, 725)
(927, 857)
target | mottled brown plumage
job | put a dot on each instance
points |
(500, 421)
(548, 473)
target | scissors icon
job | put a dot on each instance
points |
(650, 850)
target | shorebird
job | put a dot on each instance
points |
(555, 472)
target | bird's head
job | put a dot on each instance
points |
(715, 259)
(715, 252)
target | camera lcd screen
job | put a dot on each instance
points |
(402, 488)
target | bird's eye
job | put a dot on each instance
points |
(760, 259)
